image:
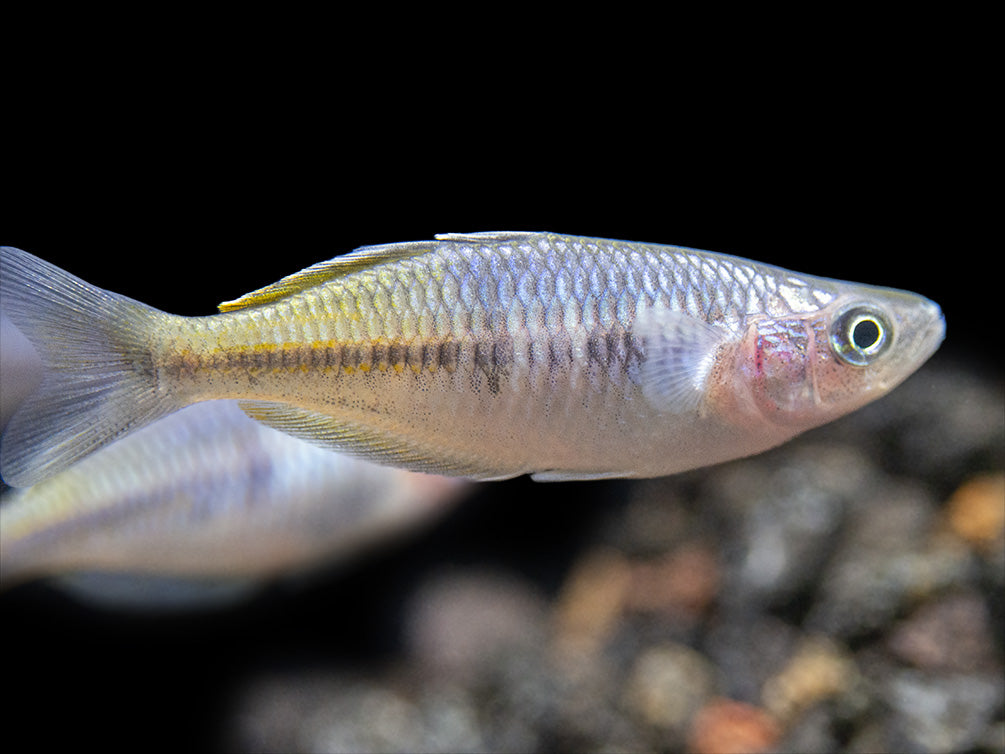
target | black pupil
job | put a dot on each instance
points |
(865, 334)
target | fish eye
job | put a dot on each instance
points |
(860, 334)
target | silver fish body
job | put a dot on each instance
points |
(492, 355)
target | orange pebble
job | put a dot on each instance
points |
(976, 511)
(724, 726)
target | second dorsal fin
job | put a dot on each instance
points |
(488, 236)
(360, 259)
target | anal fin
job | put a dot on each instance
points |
(373, 444)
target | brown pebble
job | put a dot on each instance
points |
(684, 580)
(951, 633)
(724, 726)
(592, 599)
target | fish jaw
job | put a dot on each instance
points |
(804, 370)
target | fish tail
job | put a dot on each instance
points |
(98, 379)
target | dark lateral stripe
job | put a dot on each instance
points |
(490, 360)
(418, 356)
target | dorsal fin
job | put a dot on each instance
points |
(360, 259)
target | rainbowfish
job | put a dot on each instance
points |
(207, 494)
(485, 355)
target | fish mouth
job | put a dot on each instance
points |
(932, 326)
(922, 329)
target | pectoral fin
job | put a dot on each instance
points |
(680, 351)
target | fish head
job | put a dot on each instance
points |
(805, 369)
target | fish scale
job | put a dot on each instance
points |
(492, 355)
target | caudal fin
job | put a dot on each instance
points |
(98, 381)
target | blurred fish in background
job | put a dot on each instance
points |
(20, 369)
(198, 506)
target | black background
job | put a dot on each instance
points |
(183, 192)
